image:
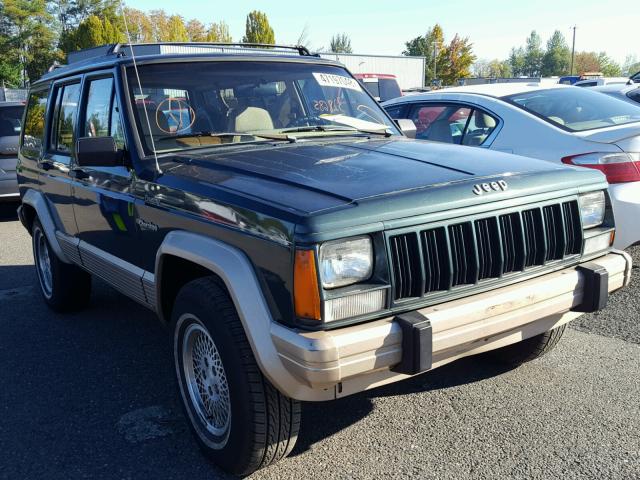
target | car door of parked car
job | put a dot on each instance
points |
(55, 163)
(103, 202)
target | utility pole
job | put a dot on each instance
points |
(435, 58)
(573, 48)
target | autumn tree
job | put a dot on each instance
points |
(340, 43)
(257, 29)
(176, 30)
(452, 61)
(219, 32)
(196, 31)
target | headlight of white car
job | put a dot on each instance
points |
(343, 262)
(592, 207)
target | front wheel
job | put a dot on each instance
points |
(239, 419)
(529, 349)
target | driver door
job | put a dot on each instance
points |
(104, 205)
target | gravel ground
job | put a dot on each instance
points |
(92, 395)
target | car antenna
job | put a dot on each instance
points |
(135, 69)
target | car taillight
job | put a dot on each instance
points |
(619, 167)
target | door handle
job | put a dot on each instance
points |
(78, 173)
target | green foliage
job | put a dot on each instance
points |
(176, 30)
(533, 55)
(219, 32)
(608, 66)
(452, 61)
(557, 58)
(340, 43)
(257, 29)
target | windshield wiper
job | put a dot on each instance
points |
(329, 128)
(266, 136)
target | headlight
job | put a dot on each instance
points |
(592, 206)
(343, 262)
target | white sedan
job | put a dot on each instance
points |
(558, 123)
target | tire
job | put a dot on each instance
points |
(250, 424)
(64, 287)
(529, 349)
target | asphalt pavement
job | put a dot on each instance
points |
(92, 395)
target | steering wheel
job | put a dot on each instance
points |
(175, 108)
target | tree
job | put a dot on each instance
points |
(517, 62)
(160, 22)
(140, 26)
(631, 65)
(257, 29)
(608, 66)
(499, 69)
(460, 57)
(176, 30)
(196, 31)
(219, 32)
(340, 43)
(533, 55)
(557, 58)
(27, 39)
(430, 46)
(586, 62)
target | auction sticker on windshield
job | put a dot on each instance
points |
(330, 80)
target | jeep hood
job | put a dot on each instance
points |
(312, 177)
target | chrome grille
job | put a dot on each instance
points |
(438, 259)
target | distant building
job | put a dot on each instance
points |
(409, 71)
(13, 94)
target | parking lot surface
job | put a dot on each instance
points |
(92, 395)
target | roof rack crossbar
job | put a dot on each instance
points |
(117, 48)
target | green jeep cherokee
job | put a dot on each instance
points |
(298, 245)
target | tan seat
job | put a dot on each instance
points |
(250, 119)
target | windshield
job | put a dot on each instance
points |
(576, 109)
(190, 105)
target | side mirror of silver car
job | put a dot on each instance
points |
(407, 126)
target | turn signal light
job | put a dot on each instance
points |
(306, 294)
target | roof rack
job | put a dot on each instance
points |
(140, 49)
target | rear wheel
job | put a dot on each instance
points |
(239, 419)
(63, 286)
(529, 349)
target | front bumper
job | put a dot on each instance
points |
(341, 362)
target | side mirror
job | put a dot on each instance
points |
(97, 152)
(407, 126)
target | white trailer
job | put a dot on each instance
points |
(408, 70)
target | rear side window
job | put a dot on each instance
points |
(64, 118)
(10, 121)
(634, 94)
(33, 136)
(576, 109)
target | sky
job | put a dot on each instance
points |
(383, 27)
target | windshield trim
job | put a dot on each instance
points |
(509, 99)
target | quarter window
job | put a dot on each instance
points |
(34, 125)
(65, 118)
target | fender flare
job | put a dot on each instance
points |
(238, 274)
(36, 200)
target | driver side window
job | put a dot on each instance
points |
(102, 115)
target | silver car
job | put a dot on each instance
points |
(628, 93)
(10, 126)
